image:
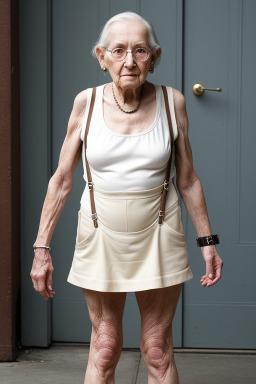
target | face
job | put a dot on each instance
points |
(128, 73)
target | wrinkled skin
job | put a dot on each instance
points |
(41, 273)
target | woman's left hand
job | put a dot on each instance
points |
(214, 265)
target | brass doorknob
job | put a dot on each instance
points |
(198, 89)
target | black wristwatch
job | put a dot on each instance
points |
(207, 240)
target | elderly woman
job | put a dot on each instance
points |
(129, 235)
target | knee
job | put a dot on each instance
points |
(108, 355)
(158, 354)
(109, 349)
(108, 346)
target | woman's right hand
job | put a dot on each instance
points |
(41, 272)
(59, 188)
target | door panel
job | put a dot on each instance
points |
(219, 51)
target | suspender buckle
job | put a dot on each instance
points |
(90, 184)
(160, 217)
(95, 217)
(166, 185)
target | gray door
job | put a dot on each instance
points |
(204, 41)
(219, 51)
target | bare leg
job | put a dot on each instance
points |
(157, 309)
(106, 314)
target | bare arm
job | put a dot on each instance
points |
(191, 190)
(59, 188)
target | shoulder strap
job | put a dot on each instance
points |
(88, 171)
(168, 168)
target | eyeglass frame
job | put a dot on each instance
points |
(129, 51)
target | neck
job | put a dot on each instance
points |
(129, 95)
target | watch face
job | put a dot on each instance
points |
(209, 240)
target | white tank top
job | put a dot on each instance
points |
(128, 162)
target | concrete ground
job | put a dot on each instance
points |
(66, 364)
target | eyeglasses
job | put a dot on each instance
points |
(140, 54)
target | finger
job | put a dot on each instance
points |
(206, 281)
(35, 285)
(49, 283)
(212, 282)
(218, 276)
(42, 289)
(39, 289)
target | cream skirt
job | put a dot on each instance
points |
(129, 251)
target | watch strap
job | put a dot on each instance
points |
(207, 240)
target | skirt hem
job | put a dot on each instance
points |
(132, 285)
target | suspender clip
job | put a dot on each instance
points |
(95, 217)
(90, 184)
(166, 185)
(160, 217)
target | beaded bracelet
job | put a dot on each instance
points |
(41, 246)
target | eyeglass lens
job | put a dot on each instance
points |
(140, 54)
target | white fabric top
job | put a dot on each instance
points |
(128, 162)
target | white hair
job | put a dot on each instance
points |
(103, 40)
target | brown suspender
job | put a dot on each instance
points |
(167, 174)
(89, 176)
